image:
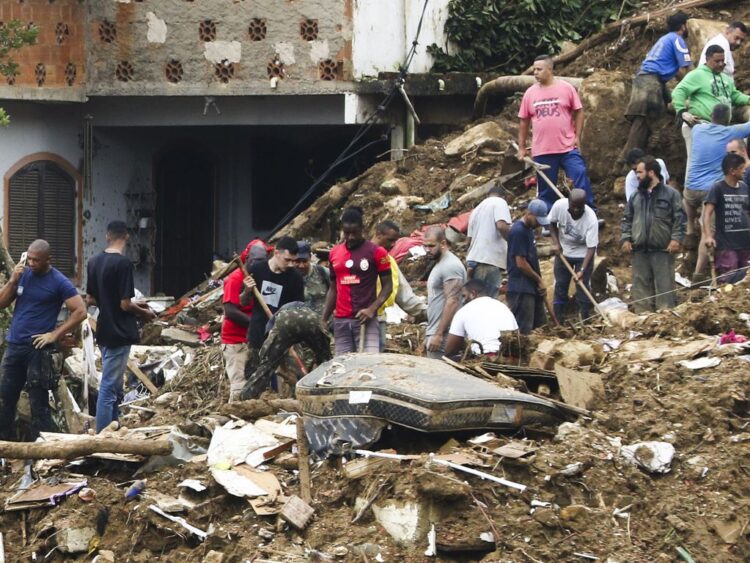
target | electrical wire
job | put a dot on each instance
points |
(675, 290)
(365, 127)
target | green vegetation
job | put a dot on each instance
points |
(13, 36)
(505, 36)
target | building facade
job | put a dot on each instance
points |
(198, 122)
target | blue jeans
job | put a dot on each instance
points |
(15, 369)
(114, 362)
(492, 276)
(575, 168)
(562, 283)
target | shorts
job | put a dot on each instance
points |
(647, 97)
(694, 198)
(732, 261)
(492, 276)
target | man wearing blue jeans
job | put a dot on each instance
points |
(575, 235)
(111, 288)
(39, 291)
(553, 109)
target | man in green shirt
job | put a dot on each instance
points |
(696, 95)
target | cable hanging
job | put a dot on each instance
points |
(363, 130)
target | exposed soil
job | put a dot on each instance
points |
(605, 508)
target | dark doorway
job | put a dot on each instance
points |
(185, 193)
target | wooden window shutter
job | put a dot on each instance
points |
(41, 204)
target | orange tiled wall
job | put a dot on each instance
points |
(57, 58)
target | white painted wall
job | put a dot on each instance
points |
(383, 30)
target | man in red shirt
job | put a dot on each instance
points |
(237, 319)
(356, 266)
(555, 111)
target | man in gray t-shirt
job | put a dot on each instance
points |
(488, 250)
(443, 290)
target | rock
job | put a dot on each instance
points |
(213, 557)
(403, 202)
(488, 134)
(340, 551)
(569, 430)
(574, 512)
(177, 335)
(569, 353)
(677, 523)
(441, 487)
(104, 556)
(394, 186)
(699, 32)
(605, 95)
(74, 540)
(167, 399)
(618, 189)
(266, 534)
(546, 517)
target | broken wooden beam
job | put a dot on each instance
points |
(258, 408)
(82, 446)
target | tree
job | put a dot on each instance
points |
(505, 36)
(13, 36)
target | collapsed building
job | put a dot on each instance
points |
(200, 123)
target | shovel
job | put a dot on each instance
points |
(585, 289)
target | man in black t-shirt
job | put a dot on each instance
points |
(279, 283)
(111, 288)
(730, 199)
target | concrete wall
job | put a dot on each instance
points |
(383, 30)
(301, 40)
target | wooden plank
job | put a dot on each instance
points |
(153, 389)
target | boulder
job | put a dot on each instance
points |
(618, 189)
(488, 134)
(74, 539)
(394, 186)
(699, 32)
(605, 95)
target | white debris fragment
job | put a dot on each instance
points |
(654, 457)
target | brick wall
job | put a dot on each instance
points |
(57, 59)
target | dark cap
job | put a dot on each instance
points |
(304, 250)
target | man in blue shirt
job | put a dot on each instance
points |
(707, 150)
(525, 285)
(649, 97)
(39, 291)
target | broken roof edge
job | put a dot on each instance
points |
(425, 84)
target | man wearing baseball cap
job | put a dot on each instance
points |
(525, 285)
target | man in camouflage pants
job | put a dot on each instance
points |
(294, 323)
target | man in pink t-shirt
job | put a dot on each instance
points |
(555, 110)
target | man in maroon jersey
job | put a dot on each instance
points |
(356, 265)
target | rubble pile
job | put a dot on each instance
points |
(623, 439)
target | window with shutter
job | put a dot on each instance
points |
(41, 204)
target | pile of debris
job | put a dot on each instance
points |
(624, 439)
